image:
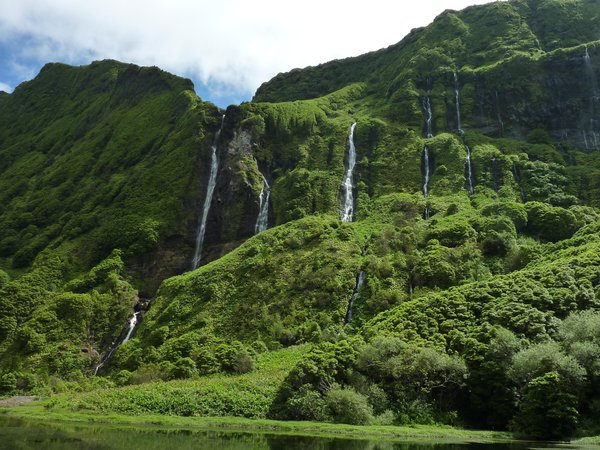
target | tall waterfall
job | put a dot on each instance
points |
(592, 140)
(360, 279)
(347, 203)
(428, 117)
(262, 221)
(426, 178)
(469, 164)
(457, 102)
(212, 182)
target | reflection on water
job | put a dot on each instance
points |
(19, 434)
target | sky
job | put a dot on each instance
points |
(227, 47)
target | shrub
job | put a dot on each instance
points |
(184, 368)
(348, 406)
(8, 383)
(550, 223)
(306, 404)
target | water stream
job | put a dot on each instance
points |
(499, 117)
(212, 182)
(469, 165)
(133, 321)
(426, 178)
(262, 221)
(360, 280)
(517, 175)
(592, 139)
(428, 117)
(457, 102)
(347, 203)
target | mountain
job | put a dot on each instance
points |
(464, 289)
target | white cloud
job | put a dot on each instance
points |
(234, 44)
(5, 87)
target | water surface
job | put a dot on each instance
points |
(19, 434)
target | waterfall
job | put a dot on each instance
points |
(428, 116)
(517, 175)
(132, 323)
(500, 122)
(262, 221)
(469, 165)
(457, 102)
(360, 279)
(347, 210)
(130, 327)
(587, 145)
(425, 172)
(592, 142)
(212, 181)
(589, 68)
(426, 178)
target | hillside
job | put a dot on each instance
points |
(464, 289)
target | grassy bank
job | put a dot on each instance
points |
(422, 432)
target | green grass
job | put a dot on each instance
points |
(246, 395)
(425, 432)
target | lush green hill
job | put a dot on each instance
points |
(480, 300)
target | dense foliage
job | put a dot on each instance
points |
(481, 300)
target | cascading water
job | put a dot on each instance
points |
(457, 102)
(262, 221)
(499, 117)
(212, 181)
(130, 327)
(589, 68)
(428, 117)
(132, 323)
(594, 139)
(469, 164)
(517, 175)
(360, 280)
(347, 206)
(426, 178)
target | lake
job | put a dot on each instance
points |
(19, 434)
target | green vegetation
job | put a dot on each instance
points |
(485, 314)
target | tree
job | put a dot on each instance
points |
(548, 410)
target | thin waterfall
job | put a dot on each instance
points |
(426, 178)
(426, 103)
(262, 221)
(594, 98)
(132, 323)
(589, 68)
(457, 102)
(130, 327)
(347, 206)
(517, 175)
(499, 117)
(212, 182)
(360, 279)
(469, 165)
